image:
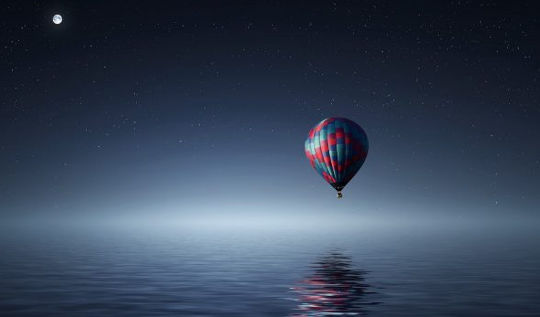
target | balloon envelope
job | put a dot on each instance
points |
(336, 149)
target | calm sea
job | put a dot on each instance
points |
(145, 271)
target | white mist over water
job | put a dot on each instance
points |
(243, 260)
(240, 263)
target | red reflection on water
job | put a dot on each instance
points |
(334, 289)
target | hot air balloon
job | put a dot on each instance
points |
(336, 149)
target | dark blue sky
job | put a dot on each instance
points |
(199, 107)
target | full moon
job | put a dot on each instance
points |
(57, 19)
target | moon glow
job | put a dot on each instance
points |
(57, 19)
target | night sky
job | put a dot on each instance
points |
(198, 108)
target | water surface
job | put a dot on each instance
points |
(151, 271)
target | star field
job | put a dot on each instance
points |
(145, 104)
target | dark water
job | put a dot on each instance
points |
(176, 272)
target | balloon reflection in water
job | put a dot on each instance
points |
(334, 289)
